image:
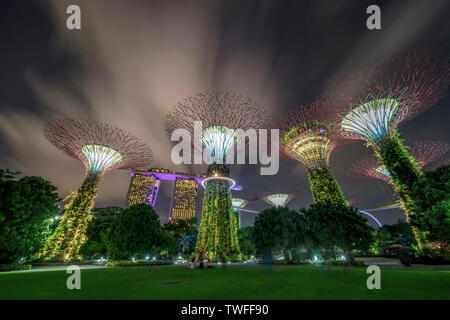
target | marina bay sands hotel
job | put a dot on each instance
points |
(145, 184)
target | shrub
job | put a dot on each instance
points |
(137, 263)
(14, 266)
(344, 263)
(406, 255)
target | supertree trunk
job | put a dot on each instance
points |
(217, 238)
(238, 217)
(325, 189)
(404, 173)
(66, 241)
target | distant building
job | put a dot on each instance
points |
(143, 189)
(183, 201)
(145, 184)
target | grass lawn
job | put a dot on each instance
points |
(232, 282)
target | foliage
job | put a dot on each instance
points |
(406, 255)
(187, 244)
(180, 227)
(278, 229)
(324, 188)
(137, 263)
(400, 229)
(344, 263)
(14, 266)
(217, 237)
(26, 207)
(134, 230)
(432, 205)
(401, 165)
(246, 243)
(382, 240)
(70, 234)
(341, 227)
(97, 232)
(399, 232)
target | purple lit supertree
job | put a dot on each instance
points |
(219, 116)
(423, 152)
(101, 148)
(307, 136)
(371, 104)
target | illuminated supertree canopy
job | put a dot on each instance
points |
(424, 153)
(307, 136)
(371, 104)
(238, 202)
(221, 114)
(279, 199)
(101, 148)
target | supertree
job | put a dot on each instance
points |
(220, 114)
(279, 199)
(371, 104)
(424, 153)
(308, 137)
(238, 203)
(101, 148)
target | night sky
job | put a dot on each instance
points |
(133, 60)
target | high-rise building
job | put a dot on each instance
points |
(183, 201)
(143, 189)
(145, 184)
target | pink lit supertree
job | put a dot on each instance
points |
(307, 136)
(371, 104)
(101, 148)
(213, 122)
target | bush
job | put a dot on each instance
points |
(14, 266)
(344, 263)
(406, 256)
(26, 207)
(135, 230)
(137, 263)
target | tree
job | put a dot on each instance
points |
(431, 214)
(180, 227)
(134, 231)
(278, 229)
(332, 227)
(246, 241)
(97, 232)
(187, 244)
(26, 207)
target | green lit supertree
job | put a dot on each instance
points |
(101, 148)
(237, 204)
(425, 153)
(372, 103)
(308, 137)
(220, 114)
